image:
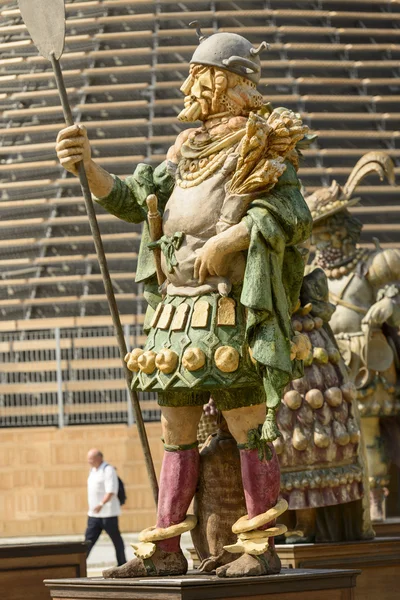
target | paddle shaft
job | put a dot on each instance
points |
(94, 227)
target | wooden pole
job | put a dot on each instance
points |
(94, 227)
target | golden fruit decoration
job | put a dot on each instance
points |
(131, 359)
(278, 445)
(147, 362)
(193, 359)
(303, 345)
(321, 356)
(349, 391)
(325, 414)
(308, 360)
(318, 322)
(315, 398)
(226, 359)
(166, 361)
(299, 439)
(334, 355)
(292, 399)
(340, 433)
(297, 325)
(333, 396)
(308, 324)
(321, 438)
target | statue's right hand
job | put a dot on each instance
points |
(379, 312)
(73, 146)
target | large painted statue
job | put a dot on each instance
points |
(230, 275)
(364, 287)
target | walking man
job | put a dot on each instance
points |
(104, 506)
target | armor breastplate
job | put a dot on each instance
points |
(195, 212)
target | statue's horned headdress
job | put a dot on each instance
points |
(200, 35)
(325, 202)
(229, 51)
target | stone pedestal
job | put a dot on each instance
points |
(388, 528)
(378, 560)
(291, 584)
(24, 566)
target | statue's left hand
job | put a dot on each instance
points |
(213, 257)
(379, 312)
(210, 261)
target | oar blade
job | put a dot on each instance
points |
(45, 20)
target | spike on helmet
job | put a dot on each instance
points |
(229, 51)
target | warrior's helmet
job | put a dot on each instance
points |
(229, 51)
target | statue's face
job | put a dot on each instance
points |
(339, 232)
(199, 90)
(329, 235)
(211, 91)
(321, 239)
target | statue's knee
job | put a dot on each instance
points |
(179, 425)
(242, 420)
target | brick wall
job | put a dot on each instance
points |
(44, 471)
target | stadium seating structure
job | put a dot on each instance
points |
(334, 61)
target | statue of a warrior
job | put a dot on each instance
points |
(364, 287)
(222, 276)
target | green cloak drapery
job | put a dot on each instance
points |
(277, 221)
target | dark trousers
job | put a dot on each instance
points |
(94, 528)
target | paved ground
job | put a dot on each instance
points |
(102, 555)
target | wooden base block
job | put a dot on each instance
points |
(379, 561)
(291, 584)
(23, 567)
(388, 528)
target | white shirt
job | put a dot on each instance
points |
(102, 481)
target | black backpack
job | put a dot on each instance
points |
(121, 489)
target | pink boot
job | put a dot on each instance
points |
(261, 484)
(178, 481)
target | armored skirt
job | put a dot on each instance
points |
(196, 346)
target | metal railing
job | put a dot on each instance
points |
(60, 377)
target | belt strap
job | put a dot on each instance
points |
(336, 300)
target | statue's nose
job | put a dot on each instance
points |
(196, 89)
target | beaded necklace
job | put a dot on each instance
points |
(339, 269)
